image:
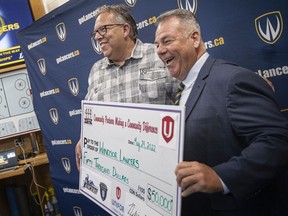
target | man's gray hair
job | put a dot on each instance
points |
(185, 16)
(122, 15)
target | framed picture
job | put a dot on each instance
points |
(14, 16)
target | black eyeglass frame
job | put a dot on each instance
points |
(102, 30)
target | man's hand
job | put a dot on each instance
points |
(196, 177)
(78, 154)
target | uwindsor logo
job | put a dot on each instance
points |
(73, 86)
(96, 46)
(42, 66)
(77, 211)
(131, 3)
(269, 26)
(61, 31)
(66, 164)
(188, 5)
(54, 115)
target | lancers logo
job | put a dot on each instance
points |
(269, 26)
(42, 66)
(190, 5)
(167, 128)
(103, 191)
(61, 31)
(73, 86)
(131, 3)
(54, 115)
(96, 46)
(77, 211)
(66, 165)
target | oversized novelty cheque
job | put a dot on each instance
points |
(129, 155)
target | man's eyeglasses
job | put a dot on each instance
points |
(103, 29)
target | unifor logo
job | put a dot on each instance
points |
(77, 211)
(73, 86)
(42, 66)
(54, 115)
(131, 3)
(269, 26)
(66, 164)
(167, 128)
(118, 193)
(61, 31)
(96, 46)
(190, 5)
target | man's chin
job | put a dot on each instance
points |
(173, 72)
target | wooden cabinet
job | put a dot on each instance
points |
(33, 174)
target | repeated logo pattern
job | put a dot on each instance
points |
(269, 26)
(190, 5)
(61, 31)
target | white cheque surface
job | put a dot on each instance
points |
(129, 155)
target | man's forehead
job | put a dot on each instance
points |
(104, 18)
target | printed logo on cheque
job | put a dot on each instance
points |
(168, 128)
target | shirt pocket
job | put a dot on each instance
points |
(152, 82)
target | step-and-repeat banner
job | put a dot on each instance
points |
(59, 55)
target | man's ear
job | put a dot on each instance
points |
(126, 30)
(195, 36)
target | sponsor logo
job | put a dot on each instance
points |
(37, 43)
(273, 72)
(89, 185)
(49, 92)
(167, 128)
(68, 56)
(103, 191)
(77, 211)
(73, 86)
(146, 22)
(87, 17)
(131, 3)
(61, 31)
(42, 65)
(214, 43)
(61, 142)
(96, 46)
(88, 116)
(118, 193)
(269, 26)
(137, 194)
(75, 112)
(54, 115)
(71, 190)
(190, 5)
(118, 206)
(66, 165)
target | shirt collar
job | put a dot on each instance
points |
(194, 71)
